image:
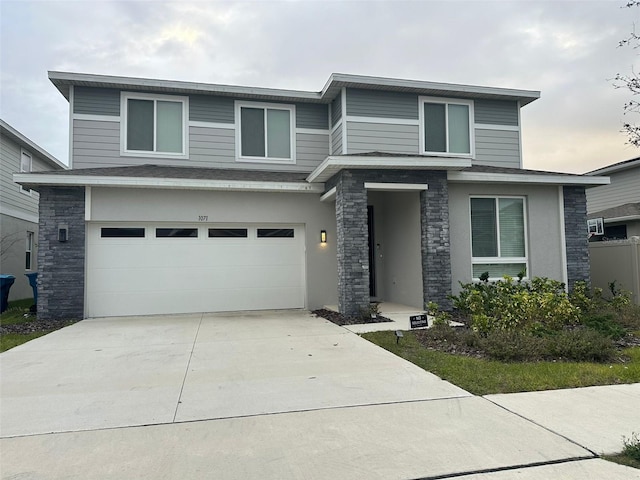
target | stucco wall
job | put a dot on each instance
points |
(544, 238)
(236, 207)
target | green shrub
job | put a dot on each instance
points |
(581, 345)
(605, 324)
(536, 306)
(632, 446)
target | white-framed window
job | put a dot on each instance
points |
(154, 125)
(498, 236)
(28, 256)
(446, 127)
(595, 226)
(26, 165)
(265, 132)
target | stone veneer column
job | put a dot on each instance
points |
(435, 244)
(61, 264)
(576, 235)
(352, 244)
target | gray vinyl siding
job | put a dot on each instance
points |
(496, 112)
(96, 101)
(97, 144)
(312, 115)
(209, 108)
(336, 141)
(624, 188)
(382, 137)
(336, 110)
(374, 103)
(498, 148)
(10, 194)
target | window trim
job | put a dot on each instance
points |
(29, 247)
(124, 115)
(446, 101)
(23, 152)
(265, 106)
(499, 259)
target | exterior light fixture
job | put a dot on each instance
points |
(323, 236)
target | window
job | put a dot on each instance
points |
(265, 132)
(595, 226)
(275, 233)
(446, 126)
(176, 232)
(28, 262)
(154, 125)
(227, 233)
(122, 232)
(26, 164)
(498, 238)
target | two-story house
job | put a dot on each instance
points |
(617, 204)
(191, 197)
(19, 207)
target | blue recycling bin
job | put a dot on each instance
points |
(5, 285)
(33, 281)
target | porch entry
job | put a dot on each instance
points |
(395, 255)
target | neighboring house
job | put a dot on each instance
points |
(190, 197)
(19, 207)
(617, 204)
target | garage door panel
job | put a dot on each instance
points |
(139, 276)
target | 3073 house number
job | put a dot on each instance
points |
(203, 218)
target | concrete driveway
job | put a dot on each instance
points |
(254, 395)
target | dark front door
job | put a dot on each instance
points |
(372, 252)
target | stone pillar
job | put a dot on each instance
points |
(435, 244)
(61, 264)
(352, 244)
(576, 235)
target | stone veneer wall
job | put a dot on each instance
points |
(576, 235)
(61, 264)
(353, 249)
(436, 246)
(352, 246)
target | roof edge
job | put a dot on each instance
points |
(22, 139)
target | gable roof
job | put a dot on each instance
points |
(628, 211)
(616, 167)
(331, 89)
(28, 144)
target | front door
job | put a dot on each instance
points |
(372, 252)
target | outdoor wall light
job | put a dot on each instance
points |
(63, 232)
(323, 236)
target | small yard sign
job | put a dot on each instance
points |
(418, 321)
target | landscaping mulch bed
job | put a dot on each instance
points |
(340, 319)
(34, 325)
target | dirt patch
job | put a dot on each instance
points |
(34, 325)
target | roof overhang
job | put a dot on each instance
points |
(616, 167)
(333, 164)
(528, 179)
(25, 142)
(332, 88)
(36, 180)
(339, 80)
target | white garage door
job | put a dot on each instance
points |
(143, 268)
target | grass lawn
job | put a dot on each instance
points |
(482, 377)
(623, 459)
(15, 313)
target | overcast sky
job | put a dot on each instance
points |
(566, 49)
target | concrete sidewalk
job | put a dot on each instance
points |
(278, 395)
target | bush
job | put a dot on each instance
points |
(581, 345)
(605, 324)
(632, 446)
(540, 305)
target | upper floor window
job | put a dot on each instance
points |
(154, 125)
(26, 164)
(498, 236)
(446, 126)
(265, 132)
